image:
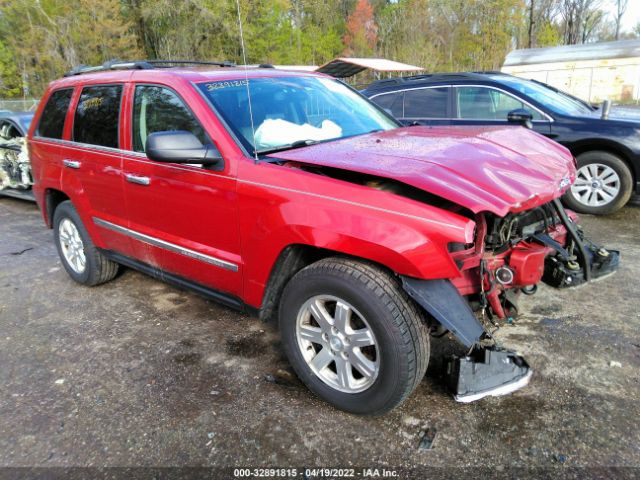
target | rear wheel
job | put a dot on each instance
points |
(353, 336)
(603, 184)
(81, 259)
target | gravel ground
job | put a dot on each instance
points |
(138, 373)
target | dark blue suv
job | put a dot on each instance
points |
(607, 149)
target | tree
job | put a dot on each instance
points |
(548, 35)
(56, 35)
(531, 22)
(542, 25)
(578, 16)
(621, 8)
(591, 22)
(362, 31)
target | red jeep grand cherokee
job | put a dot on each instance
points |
(290, 195)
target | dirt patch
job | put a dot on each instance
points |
(246, 346)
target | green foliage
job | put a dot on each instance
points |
(10, 81)
(41, 39)
(48, 37)
(548, 35)
(446, 35)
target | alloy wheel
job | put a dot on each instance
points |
(337, 343)
(72, 245)
(596, 185)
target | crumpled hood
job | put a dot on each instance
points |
(495, 169)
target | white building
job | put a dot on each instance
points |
(592, 71)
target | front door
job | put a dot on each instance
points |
(483, 105)
(182, 218)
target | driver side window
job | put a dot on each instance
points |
(481, 103)
(158, 109)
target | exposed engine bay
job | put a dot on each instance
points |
(509, 257)
(511, 254)
(514, 253)
(15, 168)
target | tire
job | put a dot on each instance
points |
(378, 305)
(599, 163)
(96, 268)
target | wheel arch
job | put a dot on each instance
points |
(290, 261)
(52, 198)
(439, 300)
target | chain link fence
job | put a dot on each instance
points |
(25, 105)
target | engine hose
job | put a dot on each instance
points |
(582, 252)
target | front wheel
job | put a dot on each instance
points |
(603, 184)
(353, 336)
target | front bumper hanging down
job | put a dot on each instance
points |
(487, 371)
(493, 371)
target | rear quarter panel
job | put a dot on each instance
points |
(44, 155)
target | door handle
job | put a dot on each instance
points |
(137, 179)
(71, 163)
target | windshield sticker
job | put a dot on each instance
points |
(225, 84)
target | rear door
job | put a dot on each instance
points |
(423, 106)
(427, 106)
(487, 105)
(92, 163)
(183, 218)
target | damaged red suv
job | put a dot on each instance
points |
(291, 196)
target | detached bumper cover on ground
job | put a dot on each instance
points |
(486, 372)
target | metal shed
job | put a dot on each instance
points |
(592, 71)
(347, 67)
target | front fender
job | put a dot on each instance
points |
(403, 235)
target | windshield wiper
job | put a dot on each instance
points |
(290, 146)
(307, 142)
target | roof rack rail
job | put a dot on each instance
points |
(140, 65)
(436, 76)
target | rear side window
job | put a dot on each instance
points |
(97, 115)
(426, 103)
(391, 102)
(52, 121)
(158, 109)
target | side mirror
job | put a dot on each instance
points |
(520, 116)
(179, 146)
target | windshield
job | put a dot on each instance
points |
(554, 101)
(293, 111)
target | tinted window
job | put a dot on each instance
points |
(392, 102)
(557, 101)
(426, 103)
(52, 122)
(158, 109)
(97, 114)
(487, 104)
